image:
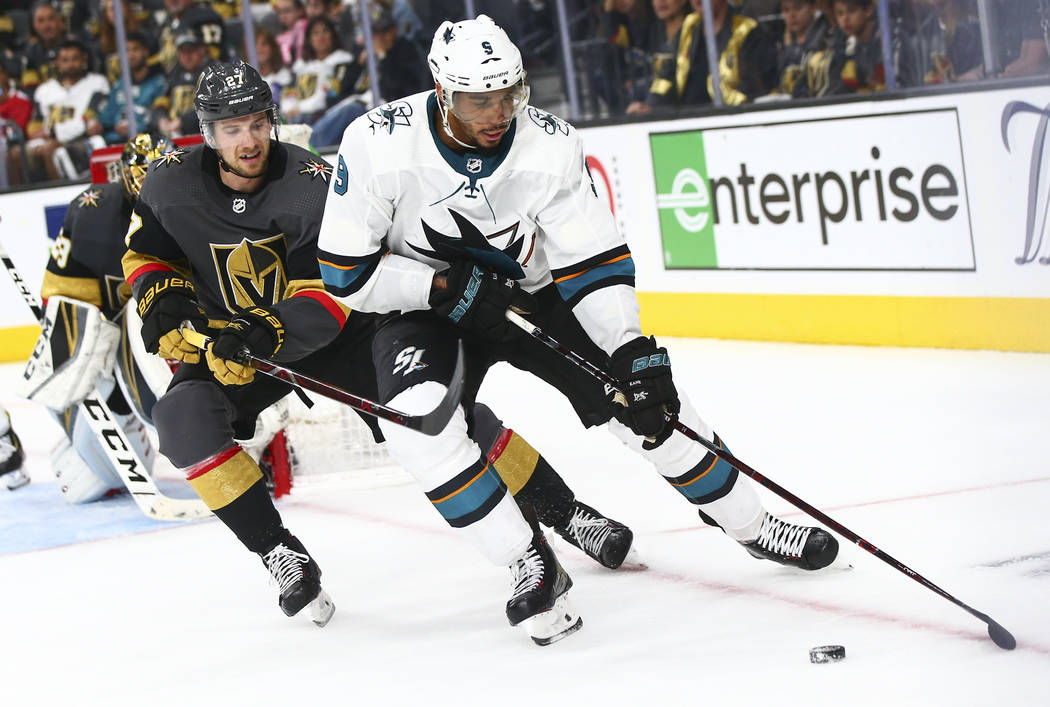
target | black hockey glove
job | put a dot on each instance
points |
(163, 307)
(257, 331)
(476, 299)
(644, 372)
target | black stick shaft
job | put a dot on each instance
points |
(998, 634)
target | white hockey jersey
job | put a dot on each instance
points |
(63, 109)
(402, 205)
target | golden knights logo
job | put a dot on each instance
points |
(89, 198)
(306, 85)
(252, 272)
(169, 158)
(315, 169)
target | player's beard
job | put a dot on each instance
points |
(237, 169)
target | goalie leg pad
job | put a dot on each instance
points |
(81, 465)
(76, 345)
(461, 484)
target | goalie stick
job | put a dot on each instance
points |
(114, 442)
(1002, 638)
(430, 423)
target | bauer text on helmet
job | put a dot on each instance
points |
(471, 58)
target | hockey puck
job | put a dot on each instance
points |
(827, 654)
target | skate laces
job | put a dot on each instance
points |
(589, 531)
(781, 537)
(526, 572)
(285, 565)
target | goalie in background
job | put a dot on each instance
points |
(12, 474)
(84, 344)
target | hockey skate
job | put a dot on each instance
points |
(804, 547)
(606, 541)
(539, 601)
(12, 457)
(298, 578)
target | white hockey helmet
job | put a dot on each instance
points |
(475, 56)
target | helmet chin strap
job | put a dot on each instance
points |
(443, 110)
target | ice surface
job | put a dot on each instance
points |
(937, 457)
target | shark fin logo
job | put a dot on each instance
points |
(1038, 194)
(472, 244)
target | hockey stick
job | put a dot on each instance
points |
(1002, 638)
(430, 423)
(122, 456)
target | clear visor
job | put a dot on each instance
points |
(491, 107)
(233, 132)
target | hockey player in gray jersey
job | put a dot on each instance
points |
(451, 206)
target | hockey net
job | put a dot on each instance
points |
(327, 445)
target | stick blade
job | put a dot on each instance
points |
(436, 420)
(1002, 638)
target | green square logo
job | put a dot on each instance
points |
(683, 200)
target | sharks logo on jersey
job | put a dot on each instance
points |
(472, 244)
(252, 272)
(386, 117)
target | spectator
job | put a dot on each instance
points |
(292, 16)
(806, 31)
(949, 41)
(663, 42)
(15, 111)
(173, 113)
(318, 74)
(15, 106)
(62, 105)
(746, 67)
(339, 14)
(1023, 38)
(47, 34)
(853, 61)
(409, 26)
(107, 37)
(402, 71)
(271, 63)
(147, 86)
(619, 65)
(185, 14)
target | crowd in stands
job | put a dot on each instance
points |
(62, 96)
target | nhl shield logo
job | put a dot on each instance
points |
(239, 205)
(474, 165)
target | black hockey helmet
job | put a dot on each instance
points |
(138, 152)
(226, 90)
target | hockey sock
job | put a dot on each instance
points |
(708, 481)
(531, 479)
(231, 484)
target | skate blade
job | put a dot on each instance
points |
(633, 562)
(552, 626)
(15, 479)
(321, 609)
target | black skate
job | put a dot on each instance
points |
(805, 547)
(11, 459)
(604, 540)
(539, 601)
(298, 579)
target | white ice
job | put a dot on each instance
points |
(937, 457)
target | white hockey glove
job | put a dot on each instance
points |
(76, 346)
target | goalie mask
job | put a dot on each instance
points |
(138, 152)
(476, 57)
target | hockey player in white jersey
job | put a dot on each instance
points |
(450, 207)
